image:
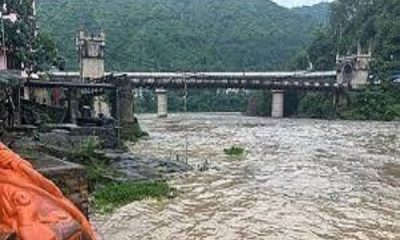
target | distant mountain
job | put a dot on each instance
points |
(319, 12)
(179, 35)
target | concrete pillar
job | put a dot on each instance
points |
(123, 109)
(162, 103)
(73, 105)
(126, 104)
(101, 106)
(278, 100)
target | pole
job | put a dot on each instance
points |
(186, 119)
(81, 58)
(117, 112)
(3, 40)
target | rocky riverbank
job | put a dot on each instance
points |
(99, 172)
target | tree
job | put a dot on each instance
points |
(25, 47)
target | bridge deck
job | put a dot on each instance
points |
(248, 80)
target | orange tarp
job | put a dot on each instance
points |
(32, 207)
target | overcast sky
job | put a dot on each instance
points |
(296, 3)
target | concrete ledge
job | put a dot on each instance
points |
(69, 177)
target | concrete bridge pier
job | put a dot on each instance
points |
(278, 101)
(123, 109)
(125, 105)
(162, 103)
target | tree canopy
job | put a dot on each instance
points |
(25, 46)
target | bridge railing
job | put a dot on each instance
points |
(233, 83)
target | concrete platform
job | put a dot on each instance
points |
(69, 177)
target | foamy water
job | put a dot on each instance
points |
(299, 179)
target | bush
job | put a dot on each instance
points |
(110, 191)
(375, 103)
(96, 163)
(115, 195)
(234, 151)
(317, 105)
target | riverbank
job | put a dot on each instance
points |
(81, 165)
(299, 179)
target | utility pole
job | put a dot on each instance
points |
(3, 39)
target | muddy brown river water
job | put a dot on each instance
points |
(299, 179)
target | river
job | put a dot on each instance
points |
(299, 179)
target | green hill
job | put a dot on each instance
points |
(319, 12)
(179, 35)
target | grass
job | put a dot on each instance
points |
(97, 165)
(109, 191)
(234, 151)
(114, 195)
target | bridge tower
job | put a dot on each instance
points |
(91, 55)
(353, 70)
(91, 61)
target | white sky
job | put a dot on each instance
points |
(296, 3)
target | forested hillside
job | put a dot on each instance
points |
(320, 12)
(373, 23)
(183, 35)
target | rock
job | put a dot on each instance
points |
(136, 168)
(204, 166)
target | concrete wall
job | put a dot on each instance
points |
(72, 181)
(92, 68)
(361, 73)
(353, 70)
(108, 136)
(32, 112)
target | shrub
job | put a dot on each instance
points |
(115, 195)
(234, 151)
